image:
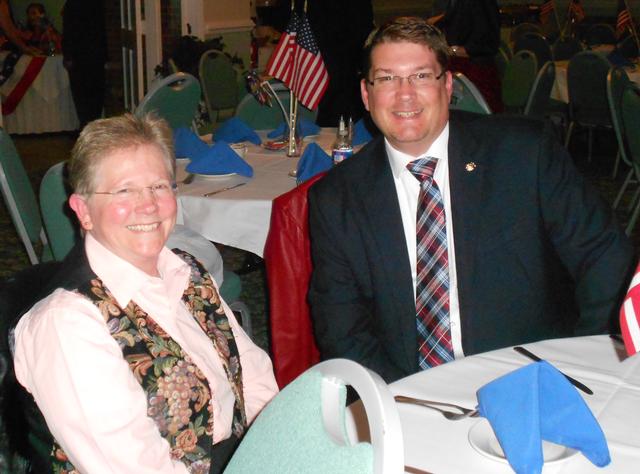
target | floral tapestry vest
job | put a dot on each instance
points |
(178, 394)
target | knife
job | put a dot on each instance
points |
(223, 189)
(534, 357)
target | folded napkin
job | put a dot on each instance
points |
(187, 144)
(304, 127)
(360, 133)
(220, 159)
(313, 161)
(235, 130)
(537, 402)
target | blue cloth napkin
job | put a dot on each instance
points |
(304, 127)
(537, 402)
(360, 133)
(188, 145)
(235, 130)
(220, 159)
(313, 161)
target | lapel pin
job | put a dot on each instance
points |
(470, 166)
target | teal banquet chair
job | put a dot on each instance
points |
(617, 82)
(219, 81)
(518, 80)
(305, 428)
(630, 126)
(466, 96)
(21, 201)
(538, 101)
(175, 98)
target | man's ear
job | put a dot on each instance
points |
(365, 94)
(80, 207)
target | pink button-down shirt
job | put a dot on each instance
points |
(94, 407)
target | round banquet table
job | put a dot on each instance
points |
(436, 445)
(240, 217)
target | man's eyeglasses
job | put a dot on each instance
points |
(131, 194)
(418, 79)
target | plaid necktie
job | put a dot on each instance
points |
(432, 280)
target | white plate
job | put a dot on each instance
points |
(183, 160)
(215, 176)
(484, 441)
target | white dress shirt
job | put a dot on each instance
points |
(94, 407)
(408, 189)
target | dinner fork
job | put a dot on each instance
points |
(449, 415)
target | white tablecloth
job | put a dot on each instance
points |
(559, 91)
(47, 106)
(240, 217)
(437, 445)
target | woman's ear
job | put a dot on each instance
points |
(80, 207)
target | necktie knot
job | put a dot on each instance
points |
(423, 169)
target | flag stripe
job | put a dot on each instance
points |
(630, 316)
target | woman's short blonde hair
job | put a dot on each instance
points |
(102, 137)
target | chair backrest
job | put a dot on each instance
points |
(219, 80)
(303, 428)
(600, 33)
(523, 28)
(58, 218)
(518, 80)
(631, 121)
(587, 87)
(537, 43)
(466, 96)
(565, 48)
(538, 101)
(617, 82)
(19, 197)
(174, 98)
(263, 117)
(501, 59)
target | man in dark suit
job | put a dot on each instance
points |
(530, 250)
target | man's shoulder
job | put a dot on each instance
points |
(352, 170)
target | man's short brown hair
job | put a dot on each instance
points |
(407, 29)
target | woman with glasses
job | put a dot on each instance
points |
(134, 360)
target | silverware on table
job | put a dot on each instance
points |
(574, 382)
(223, 189)
(449, 415)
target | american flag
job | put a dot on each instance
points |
(624, 20)
(297, 62)
(546, 10)
(630, 316)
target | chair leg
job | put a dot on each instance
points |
(623, 188)
(590, 143)
(632, 221)
(567, 137)
(616, 165)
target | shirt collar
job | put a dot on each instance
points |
(438, 149)
(125, 280)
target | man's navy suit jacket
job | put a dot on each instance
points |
(538, 252)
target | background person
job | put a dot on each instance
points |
(133, 359)
(514, 245)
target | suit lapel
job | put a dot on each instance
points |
(467, 169)
(380, 201)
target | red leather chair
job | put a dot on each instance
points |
(287, 257)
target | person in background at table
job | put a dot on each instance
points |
(472, 29)
(40, 33)
(12, 36)
(84, 46)
(454, 233)
(135, 361)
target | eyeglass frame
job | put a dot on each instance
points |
(402, 78)
(173, 187)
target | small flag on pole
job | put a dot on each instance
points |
(630, 316)
(546, 10)
(297, 62)
(624, 19)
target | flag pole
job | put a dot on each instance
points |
(567, 22)
(634, 32)
(292, 148)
